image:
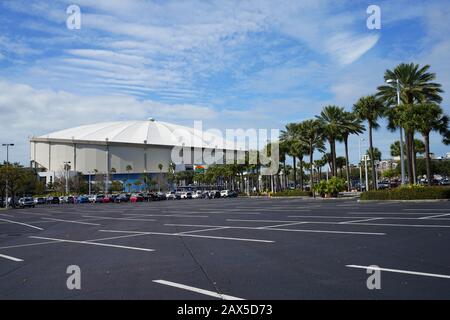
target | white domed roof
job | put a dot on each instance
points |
(143, 132)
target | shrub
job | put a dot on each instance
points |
(331, 187)
(292, 193)
(408, 193)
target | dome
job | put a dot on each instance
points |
(150, 132)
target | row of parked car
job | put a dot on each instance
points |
(127, 197)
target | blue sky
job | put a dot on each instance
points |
(232, 64)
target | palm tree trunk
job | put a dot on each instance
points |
(301, 172)
(311, 177)
(347, 168)
(333, 157)
(414, 160)
(374, 182)
(426, 139)
(408, 156)
(295, 171)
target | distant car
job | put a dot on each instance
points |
(107, 199)
(383, 185)
(39, 200)
(232, 194)
(170, 195)
(196, 194)
(444, 182)
(136, 197)
(184, 195)
(26, 202)
(123, 197)
(98, 198)
(83, 199)
(52, 200)
(224, 193)
(70, 199)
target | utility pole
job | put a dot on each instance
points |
(66, 170)
(366, 157)
(7, 145)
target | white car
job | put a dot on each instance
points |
(224, 193)
(170, 195)
(183, 195)
(196, 195)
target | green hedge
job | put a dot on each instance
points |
(408, 193)
(292, 193)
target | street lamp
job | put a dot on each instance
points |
(66, 170)
(402, 161)
(7, 145)
(366, 158)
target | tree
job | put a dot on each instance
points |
(370, 109)
(128, 168)
(430, 117)
(160, 167)
(419, 147)
(332, 122)
(376, 154)
(352, 125)
(416, 86)
(310, 133)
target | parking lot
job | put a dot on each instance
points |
(246, 248)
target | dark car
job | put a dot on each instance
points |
(123, 197)
(39, 200)
(70, 199)
(52, 200)
(161, 196)
(232, 194)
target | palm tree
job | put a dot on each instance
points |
(310, 133)
(430, 117)
(288, 138)
(416, 86)
(332, 121)
(352, 125)
(160, 167)
(129, 168)
(370, 109)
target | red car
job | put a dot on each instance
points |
(137, 197)
(107, 199)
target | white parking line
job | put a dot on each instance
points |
(72, 221)
(6, 215)
(276, 229)
(361, 220)
(10, 258)
(423, 209)
(163, 215)
(21, 223)
(94, 243)
(436, 216)
(189, 235)
(28, 244)
(201, 291)
(209, 229)
(111, 218)
(400, 271)
(283, 225)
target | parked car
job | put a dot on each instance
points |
(170, 195)
(224, 193)
(196, 194)
(52, 200)
(232, 194)
(136, 197)
(39, 200)
(123, 197)
(108, 198)
(26, 202)
(98, 198)
(83, 199)
(70, 199)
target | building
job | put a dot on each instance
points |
(125, 149)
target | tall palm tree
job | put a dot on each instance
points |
(430, 117)
(416, 86)
(370, 109)
(160, 167)
(288, 137)
(299, 149)
(129, 168)
(310, 133)
(352, 125)
(332, 121)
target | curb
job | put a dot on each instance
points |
(415, 200)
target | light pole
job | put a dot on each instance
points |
(66, 170)
(360, 168)
(402, 160)
(7, 145)
(366, 157)
(89, 182)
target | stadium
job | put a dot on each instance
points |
(125, 149)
